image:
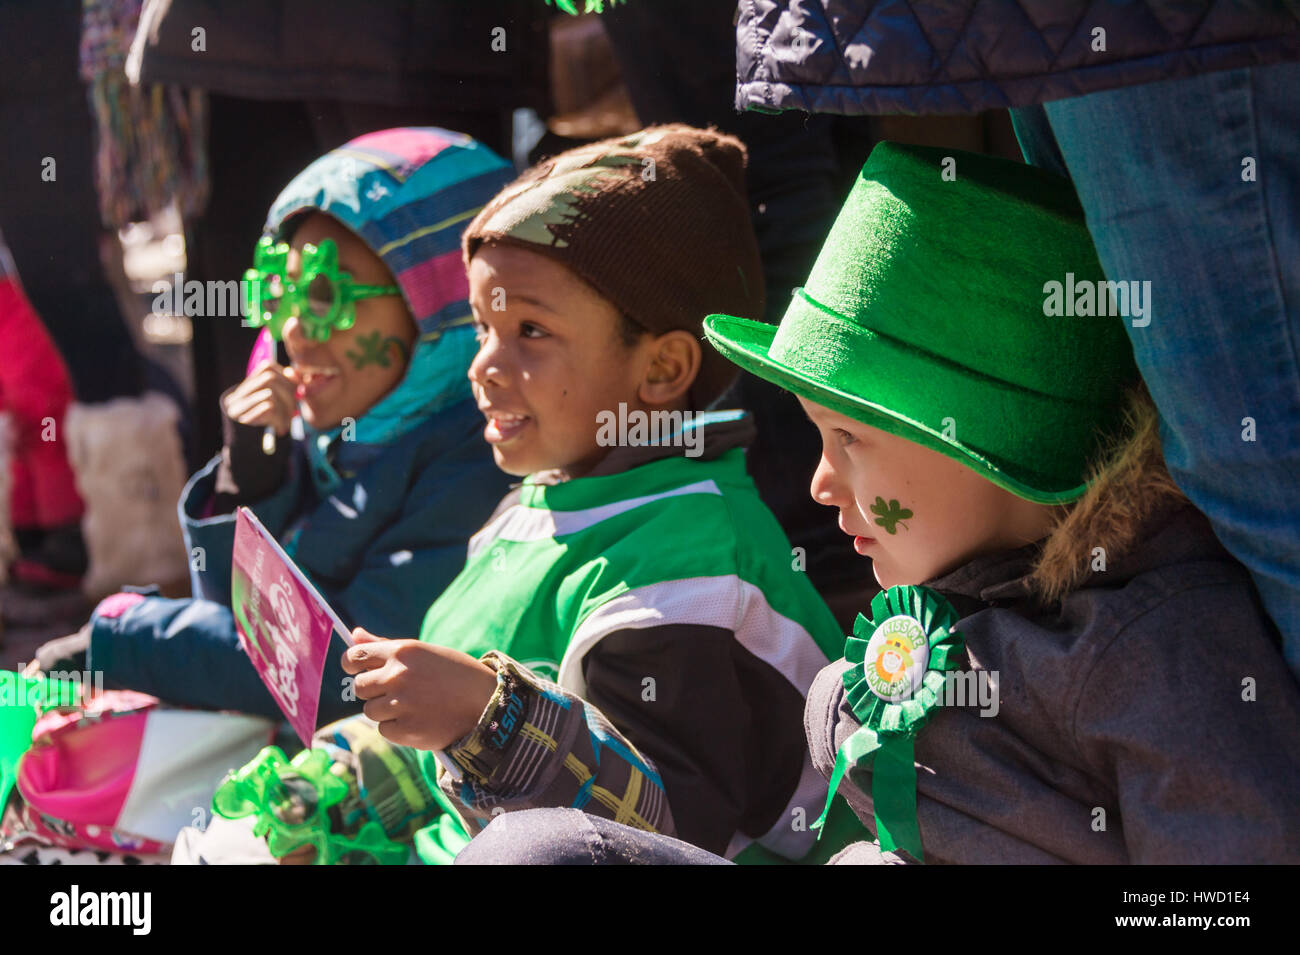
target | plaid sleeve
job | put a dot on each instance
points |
(537, 745)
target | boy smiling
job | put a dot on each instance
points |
(535, 376)
(655, 589)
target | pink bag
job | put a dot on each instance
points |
(122, 772)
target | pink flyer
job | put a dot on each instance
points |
(284, 625)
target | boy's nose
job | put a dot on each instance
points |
(825, 486)
(489, 365)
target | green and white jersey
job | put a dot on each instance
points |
(674, 541)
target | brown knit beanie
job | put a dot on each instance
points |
(656, 222)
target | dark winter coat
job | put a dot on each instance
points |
(858, 57)
(380, 549)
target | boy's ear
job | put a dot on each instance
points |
(674, 363)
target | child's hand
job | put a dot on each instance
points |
(267, 397)
(421, 695)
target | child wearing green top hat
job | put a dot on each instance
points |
(1065, 665)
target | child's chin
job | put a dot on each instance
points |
(889, 576)
(318, 419)
(512, 464)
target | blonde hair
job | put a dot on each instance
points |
(1127, 483)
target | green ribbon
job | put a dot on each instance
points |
(883, 743)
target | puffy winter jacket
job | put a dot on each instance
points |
(962, 56)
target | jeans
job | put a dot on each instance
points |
(571, 837)
(186, 651)
(1194, 185)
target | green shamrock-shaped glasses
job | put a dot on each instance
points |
(322, 298)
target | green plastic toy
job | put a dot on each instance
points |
(591, 6)
(322, 297)
(291, 801)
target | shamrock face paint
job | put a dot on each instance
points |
(881, 483)
(343, 374)
(370, 350)
(889, 515)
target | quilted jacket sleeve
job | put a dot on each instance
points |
(864, 57)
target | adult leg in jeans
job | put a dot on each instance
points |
(1194, 186)
(571, 837)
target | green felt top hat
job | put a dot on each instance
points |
(925, 316)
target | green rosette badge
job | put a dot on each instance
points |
(899, 659)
